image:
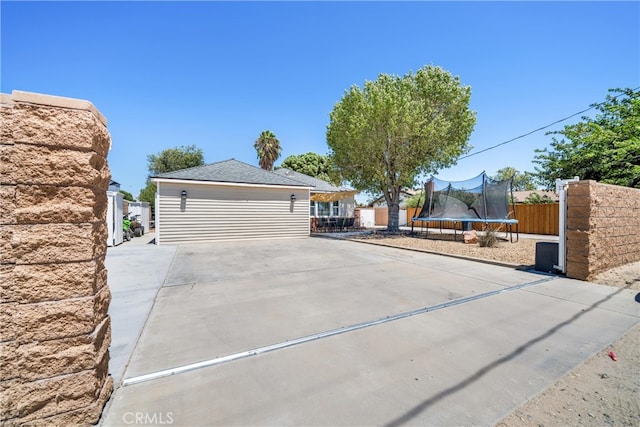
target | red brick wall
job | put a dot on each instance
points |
(603, 223)
(54, 328)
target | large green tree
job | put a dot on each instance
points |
(148, 194)
(605, 148)
(311, 164)
(173, 159)
(521, 180)
(386, 134)
(169, 160)
(268, 148)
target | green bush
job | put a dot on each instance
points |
(537, 199)
(488, 240)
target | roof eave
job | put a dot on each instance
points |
(227, 183)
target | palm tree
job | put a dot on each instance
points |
(268, 148)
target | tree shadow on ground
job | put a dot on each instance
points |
(420, 408)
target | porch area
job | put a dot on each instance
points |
(333, 224)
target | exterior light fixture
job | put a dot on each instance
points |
(293, 197)
(183, 194)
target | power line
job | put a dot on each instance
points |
(541, 128)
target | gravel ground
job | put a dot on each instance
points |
(601, 391)
(521, 253)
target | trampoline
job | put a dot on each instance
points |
(479, 199)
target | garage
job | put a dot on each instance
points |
(229, 200)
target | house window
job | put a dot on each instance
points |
(323, 208)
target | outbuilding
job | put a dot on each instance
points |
(229, 200)
(115, 235)
(141, 212)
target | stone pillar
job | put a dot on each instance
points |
(602, 224)
(54, 328)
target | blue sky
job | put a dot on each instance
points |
(215, 74)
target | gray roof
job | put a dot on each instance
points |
(231, 170)
(318, 185)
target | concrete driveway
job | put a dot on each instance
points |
(327, 332)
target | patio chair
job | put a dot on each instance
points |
(322, 224)
(348, 223)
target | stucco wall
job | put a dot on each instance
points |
(602, 227)
(54, 327)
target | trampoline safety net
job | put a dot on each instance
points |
(479, 199)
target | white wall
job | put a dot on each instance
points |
(347, 206)
(114, 218)
(142, 209)
(402, 217)
(367, 218)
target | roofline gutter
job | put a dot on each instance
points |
(229, 184)
(330, 192)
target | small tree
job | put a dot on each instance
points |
(169, 160)
(521, 181)
(127, 196)
(537, 199)
(268, 148)
(415, 201)
(383, 136)
(148, 194)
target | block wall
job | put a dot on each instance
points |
(602, 227)
(54, 328)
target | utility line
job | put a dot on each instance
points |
(541, 128)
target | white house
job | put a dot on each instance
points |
(327, 200)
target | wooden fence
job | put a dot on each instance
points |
(539, 219)
(532, 219)
(381, 216)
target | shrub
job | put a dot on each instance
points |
(488, 239)
(537, 199)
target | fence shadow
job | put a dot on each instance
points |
(418, 409)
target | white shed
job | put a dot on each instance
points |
(114, 218)
(229, 200)
(142, 211)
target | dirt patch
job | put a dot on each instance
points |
(520, 253)
(624, 276)
(600, 392)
